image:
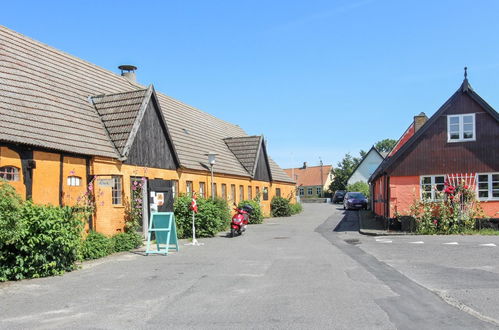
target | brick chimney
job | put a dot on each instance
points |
(419, 121)
(128, 71)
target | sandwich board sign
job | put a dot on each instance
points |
(163, 226)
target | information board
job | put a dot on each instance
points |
(163, 226)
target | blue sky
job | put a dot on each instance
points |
(317, 78)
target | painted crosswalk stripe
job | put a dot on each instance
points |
(488, 244)
(451, 243)
(417, 242)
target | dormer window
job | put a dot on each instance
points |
(9, 173)
(461, 128)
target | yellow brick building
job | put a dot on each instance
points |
(67, 123)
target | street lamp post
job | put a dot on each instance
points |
(211, 160)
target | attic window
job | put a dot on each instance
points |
(185, 130)
(461, 128)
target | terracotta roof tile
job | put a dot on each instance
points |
(310, 176)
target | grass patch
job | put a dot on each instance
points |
(486, 232)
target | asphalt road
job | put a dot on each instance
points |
(289, 273)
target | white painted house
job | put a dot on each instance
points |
(367, 166)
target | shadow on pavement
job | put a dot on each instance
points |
(349, 222)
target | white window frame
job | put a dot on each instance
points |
(461, 128)
(310, 191)
(117, 190)
(318, 190)
(202, 189)
(74, 181)
(301, 191)
(489, 187)
(432, 184)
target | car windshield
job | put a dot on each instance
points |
(356, 195)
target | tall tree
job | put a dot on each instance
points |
(385, 145)
(342, 171)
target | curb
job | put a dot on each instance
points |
(375, 232)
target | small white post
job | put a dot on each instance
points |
(194, 240)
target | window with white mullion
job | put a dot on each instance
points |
(461, 127)
(488, 186)
(495, 185)
(432, 186)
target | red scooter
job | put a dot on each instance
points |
(240, 219)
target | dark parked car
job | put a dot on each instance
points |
(354, 200)
(338, 196)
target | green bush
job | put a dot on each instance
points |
(296, 208)
(126, 241)
(212, 216)
(44, 242)
(10, 204)
(280, 207)
(96, 245)
(256, 216)
(359, 186)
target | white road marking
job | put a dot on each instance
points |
(451, 243)
(488, 244)
(383, 241)
(417, 242)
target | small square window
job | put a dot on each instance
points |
(74, 181)
(9, 173)
(461, 128)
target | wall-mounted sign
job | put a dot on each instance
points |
(105, 182)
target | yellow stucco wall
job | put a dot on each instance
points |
(109, 218)
(46, 178)
(73, 166)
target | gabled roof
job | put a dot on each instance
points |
(373, 149)
(309, 176)
(246, 149)
(44, 102)
(120, 113)
(465, 88)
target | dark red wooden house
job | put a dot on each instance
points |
(461, 140)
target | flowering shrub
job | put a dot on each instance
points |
(133, 210)
(454, 211)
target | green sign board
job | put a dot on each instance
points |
(163, 226)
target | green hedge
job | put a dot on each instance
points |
(256, 216)
(126, 241)
(280, 207)
(212, 217)
(296, 208)
(44, 240)
(96, 245)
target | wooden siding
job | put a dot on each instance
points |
(262, 170)
(432, 154)
(151, 148)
